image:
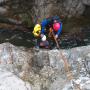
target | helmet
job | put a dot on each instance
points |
(37, 30)
(44, 38)
(56, 26)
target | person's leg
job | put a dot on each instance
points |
(44, 44)
(37, 42)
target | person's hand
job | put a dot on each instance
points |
(44, 38)
(56, 36)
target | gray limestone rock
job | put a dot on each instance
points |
(51, 69)
(9, 81)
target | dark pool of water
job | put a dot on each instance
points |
(75, 39)
(26, 39)
(16, 37)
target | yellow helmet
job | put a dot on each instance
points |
(37, 30)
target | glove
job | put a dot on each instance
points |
(44, 38)
(56, 36)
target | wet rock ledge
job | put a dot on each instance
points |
(29, 69)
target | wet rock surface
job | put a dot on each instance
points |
(74, 38)
(46, 69)
(17, 37)
(43, 8)
(67, 8)
(86, 2)
(56, 71)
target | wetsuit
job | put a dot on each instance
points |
(48, 23)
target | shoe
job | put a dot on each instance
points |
(36, 48)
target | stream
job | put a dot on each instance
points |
(26, 39)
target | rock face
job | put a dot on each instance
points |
(65, 69)
(86, 2)
(3, 10)
(9, 81)
(20, 58)
(51, 69)
(44, 8)
(13, 66)
(73, 8)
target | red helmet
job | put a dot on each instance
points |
(56, 26)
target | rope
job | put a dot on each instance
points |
(51, 32)
(69, 74)
(66, 64)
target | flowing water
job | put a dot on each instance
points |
(26, 39)
(81, 38)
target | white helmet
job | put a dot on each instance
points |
(44, 38)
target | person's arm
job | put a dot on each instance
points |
(43, 25)
(60, 29)
(43, 30)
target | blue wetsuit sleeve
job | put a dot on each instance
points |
(43, 30)
(60, 29)
(44, 23)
